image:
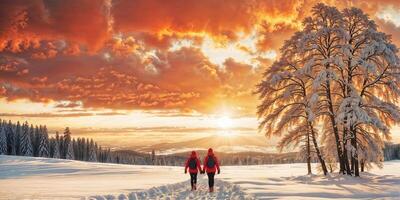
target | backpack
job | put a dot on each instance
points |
(192, 163)
(210, 162)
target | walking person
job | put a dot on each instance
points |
(211, 166)
(194, 165)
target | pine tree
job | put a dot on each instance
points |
(109, 157)
(153, 156)
(3, 141)
(87, 149)
(75, 147)
(44, 143)
(17, 138)
(32, 138)
(56, 149)
(36, 141)
(92, 152)
(25, 141)
(70, 152)
(11, 139)
(66, 142)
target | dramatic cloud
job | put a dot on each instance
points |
(151, 54)
(49, 115)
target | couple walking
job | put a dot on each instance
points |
(210, 166)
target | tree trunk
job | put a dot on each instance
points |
(308, 154)
(354, 143)
(344, 153)
(319, 155)
(334, 127)
(362, 165)
(352, 164)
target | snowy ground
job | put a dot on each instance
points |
(40, 178)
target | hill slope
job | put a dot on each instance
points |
(43, 178)
(237, 143)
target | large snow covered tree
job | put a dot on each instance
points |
(286, 105)
(355, 78)
(322, 42)
(371, 76)
(25, 144)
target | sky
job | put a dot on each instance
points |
(184, 65)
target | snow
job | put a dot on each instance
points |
(45, 178)
(223, 190)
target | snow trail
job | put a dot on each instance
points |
(181, 191)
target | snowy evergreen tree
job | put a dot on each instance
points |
(76, 149)
(92, 152)
(36, 141)
(32, 138)
(26, 148)
(87, 149)
(80, 149)
(70, 152)
(44, 150)
(3, 141)
(66, 142)
(56, 149)
(11, 139)
(153, 156)
(17, 138)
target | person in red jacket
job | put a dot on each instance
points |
(194, 165)
(211, 165)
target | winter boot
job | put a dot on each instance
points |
(211, 189)
(194, 187)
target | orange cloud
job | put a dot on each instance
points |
(118, 53)
(26, 23)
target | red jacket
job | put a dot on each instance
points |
(198, 164)
(216, 166)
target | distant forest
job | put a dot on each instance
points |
(29, 140)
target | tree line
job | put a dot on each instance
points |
(28, 140)
(334, 91)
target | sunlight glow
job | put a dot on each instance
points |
(219, 53)
(227, 134)
(225, 122)
(390, 14)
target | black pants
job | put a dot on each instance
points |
(193, 178)
(211, 179)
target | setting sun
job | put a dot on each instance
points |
(224, 122)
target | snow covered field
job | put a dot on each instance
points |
(41, 178)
